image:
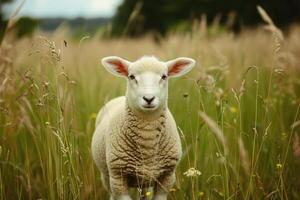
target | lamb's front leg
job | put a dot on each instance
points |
(119, 188)
(163, 186)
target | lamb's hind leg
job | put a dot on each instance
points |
(106, 184)
(119, 188)
(163, 186)
(105, 181)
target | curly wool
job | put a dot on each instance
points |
(142, 148)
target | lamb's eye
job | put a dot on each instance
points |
(164, 77)
(132, 77)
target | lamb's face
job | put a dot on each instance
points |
(147, 79)
(147, 84)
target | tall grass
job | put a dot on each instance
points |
(237, 112)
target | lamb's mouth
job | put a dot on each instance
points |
(149, 107)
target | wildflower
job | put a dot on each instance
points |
(93, 115)
(201, 194)
(283, 136)
(47, 123)
(279, 166)
(148, 194)
(73, 82)
(192, 172)
(233, 109)
(172, 190)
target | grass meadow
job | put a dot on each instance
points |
(237, 112)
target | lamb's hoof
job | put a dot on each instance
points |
(122, 197)
(160, 197)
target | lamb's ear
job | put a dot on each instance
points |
(116, 65)
(180, 66)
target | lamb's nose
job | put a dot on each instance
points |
(148, 100)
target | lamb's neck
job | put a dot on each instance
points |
(145, 124)
(144, 136)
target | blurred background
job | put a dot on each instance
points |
(237, 111)
(137, 17)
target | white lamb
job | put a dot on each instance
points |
(136, 143)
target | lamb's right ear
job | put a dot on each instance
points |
(116, 65)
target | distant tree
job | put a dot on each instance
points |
(25, 26)
(3, 22)
(161, 15)
(22, 27)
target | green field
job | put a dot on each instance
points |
(237, 112)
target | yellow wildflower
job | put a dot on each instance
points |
(172, 190)
(279, 166)
(283, 136)
(148, 194)
(93, 116)
(233, 109)
(201, 194)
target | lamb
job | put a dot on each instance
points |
(136, 142)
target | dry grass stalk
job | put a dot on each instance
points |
(215, 129)
(277, 33)
(296, 147)
(244, 156)
(264, 15)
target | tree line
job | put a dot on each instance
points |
(135, 17)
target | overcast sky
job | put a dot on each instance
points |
(65, 8)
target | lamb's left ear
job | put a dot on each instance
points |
(180, 66)
(116, 65)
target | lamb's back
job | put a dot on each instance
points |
(110, 108)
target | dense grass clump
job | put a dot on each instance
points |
(237, 112)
